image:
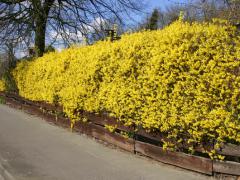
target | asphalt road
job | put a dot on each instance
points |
(32, 149)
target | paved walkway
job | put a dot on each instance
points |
(32, 149)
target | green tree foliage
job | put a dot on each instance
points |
(153, 22)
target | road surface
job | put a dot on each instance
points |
(32, 149)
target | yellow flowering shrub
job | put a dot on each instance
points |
(182, 81)
(2, 85)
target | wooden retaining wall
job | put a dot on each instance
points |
(141, 142)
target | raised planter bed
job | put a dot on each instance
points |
(195, 163)
(148, 144)
(230, 149)
(227, 167)
(104, 135)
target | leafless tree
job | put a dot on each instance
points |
(206, 10)
(20, 20)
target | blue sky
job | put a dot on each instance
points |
(163, 3)
(158, 3)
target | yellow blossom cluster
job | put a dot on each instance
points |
(2, 85)
(183, 81)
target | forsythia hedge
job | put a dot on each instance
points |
(183, 81)
(2, 85)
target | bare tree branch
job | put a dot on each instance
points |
(20, 19)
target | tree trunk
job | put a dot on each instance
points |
(41, 17)
(40, 36)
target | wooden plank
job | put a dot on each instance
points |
(51, 107)
(14, 96)
(182, 160)
(34, 103)
(13, 103)
(220, 176)
(105, 120)
(112, 138)
(226, 167)
(2, 94)
(156, 136)
(35, 110)
(230, 150)
(98, 119)
(104, 135)
(83, 128)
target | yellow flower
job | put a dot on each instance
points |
(2, 85)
